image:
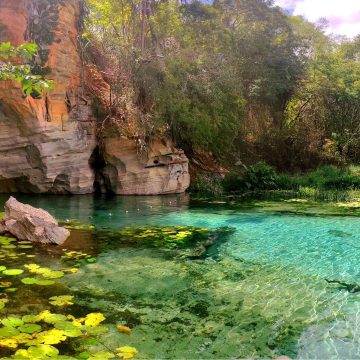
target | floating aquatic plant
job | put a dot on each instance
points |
(126, 352)
(77, 258)
(37, 336)
(171, 237)
(63, 300)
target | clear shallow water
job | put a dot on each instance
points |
(265, 294)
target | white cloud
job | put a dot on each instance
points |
(343, 15)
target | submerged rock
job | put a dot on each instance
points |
(28, 223)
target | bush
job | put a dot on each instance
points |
(207, 185)
(331, 177)
(286, 182)
(345, 182)
(233, 182)
(260, 176)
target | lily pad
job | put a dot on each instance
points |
(45, 282)
(8, 332)
(9, 343)
(68, 328)
(126, 352)
(13, 272)
(12, 321)
(28, 281)
(94, 319)
(30, 328)
(38, 352)
(62, 300)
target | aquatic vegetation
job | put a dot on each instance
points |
(74, 224)
(126, 352)
(350, 205)
(62, 300)
(271, 284)
(170, 237)
(77, 258)
(25, 334)
(181, 241)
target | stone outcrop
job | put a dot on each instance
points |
(45, 144)
(162, 169)
(28, 223)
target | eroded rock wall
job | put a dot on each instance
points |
(161, 169)
(45, 144)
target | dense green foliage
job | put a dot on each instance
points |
(31, 84)
(237, 78)
(263, 177)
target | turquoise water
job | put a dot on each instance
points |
(271, 288)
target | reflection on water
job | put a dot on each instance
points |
(265, 294)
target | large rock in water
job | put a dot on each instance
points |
(28, 223)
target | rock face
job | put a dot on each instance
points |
(45, 144)
(28, 223)
(162, 169)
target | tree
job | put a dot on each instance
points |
(31, 84)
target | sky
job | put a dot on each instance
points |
(343, 16)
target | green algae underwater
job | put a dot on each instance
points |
(171, 277)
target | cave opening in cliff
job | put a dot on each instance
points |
(98, 164)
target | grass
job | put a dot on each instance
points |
(326, 183)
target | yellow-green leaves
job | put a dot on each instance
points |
(62, 300)
(8, 343)
(34, 281)
(51, 337)
(126, 352)
(8, 332)
(12, 272)
(12, 321)
(94, 319)
(44, 272)
(38, 352)
(30, 328)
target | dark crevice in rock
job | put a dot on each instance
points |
(98, 164)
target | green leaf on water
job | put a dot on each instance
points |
(62, 300)
(25, 246)
(9, 290)
(28, 281)
(8, 332)
(38, 352)
(33, 281)
(68, 328)
(54, 318)
(103, 355)
(30, 328)
(31, 318)
(13, 272)
(12, 321)
(44, 282)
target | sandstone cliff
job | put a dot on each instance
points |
(46, 144)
